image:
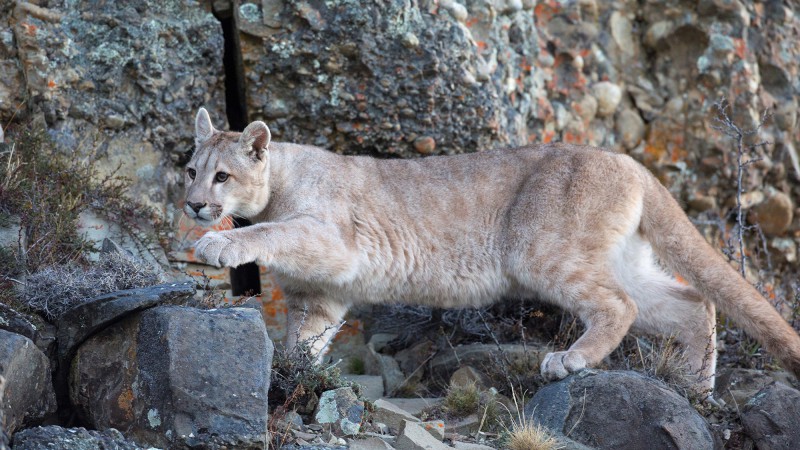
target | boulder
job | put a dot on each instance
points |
(28, 395)
(612, 410)
(173, 376)
(55, 437)
(772, 416)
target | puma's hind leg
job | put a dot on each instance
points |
(680, 312)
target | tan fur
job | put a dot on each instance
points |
(576, 226)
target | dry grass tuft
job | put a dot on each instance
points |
(54, 290)
(530, 436)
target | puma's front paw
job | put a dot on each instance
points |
(218, 248)
(558, 365)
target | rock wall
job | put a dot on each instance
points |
(418, 77)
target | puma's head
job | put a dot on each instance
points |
(228, 173)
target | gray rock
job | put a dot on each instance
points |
(388, 368)
(79, 323)
(173, 376)
(737, 386)
(612, 410)
(370, 443)
(54, 437)
(414, 406)
(390, 414)
(42, 335)
(28, 395)
(413, 437)
(371, 385)
(771, 418)
(342, 409)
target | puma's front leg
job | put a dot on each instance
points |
(302, 248)
(229, 248)
(315, 321)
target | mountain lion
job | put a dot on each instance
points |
(582, 228)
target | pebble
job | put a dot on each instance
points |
(774, 215)
(630, 128)
(425, 145)
(608, 96)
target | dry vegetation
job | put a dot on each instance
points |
(43, 191)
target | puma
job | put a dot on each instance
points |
(583, 228)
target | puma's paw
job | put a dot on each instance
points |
(558, 365)
(219, 249)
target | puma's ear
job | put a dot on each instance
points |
(202, 126)
(255, 139)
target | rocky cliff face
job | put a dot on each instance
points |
(419, 77)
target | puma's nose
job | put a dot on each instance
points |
(196, 207)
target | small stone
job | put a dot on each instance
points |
(774, 215)
(608, 96)
(410, 40)
(425, 145)
(630, 128)
(587, 108)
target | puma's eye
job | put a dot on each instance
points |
(192, 173)
(221, 177)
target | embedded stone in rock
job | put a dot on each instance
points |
(53, 436)
(174, 376)
(646, 413)
(28, 394)
(630, 128)
(608, 96)
(771, 417)
(774, 215)
(342, 409)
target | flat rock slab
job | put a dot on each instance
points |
(54, 437)
(77, 324)
(174, 376)
(28, 389)
(772, 417)
(613, 410)
(390, 414)
(413, 437)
